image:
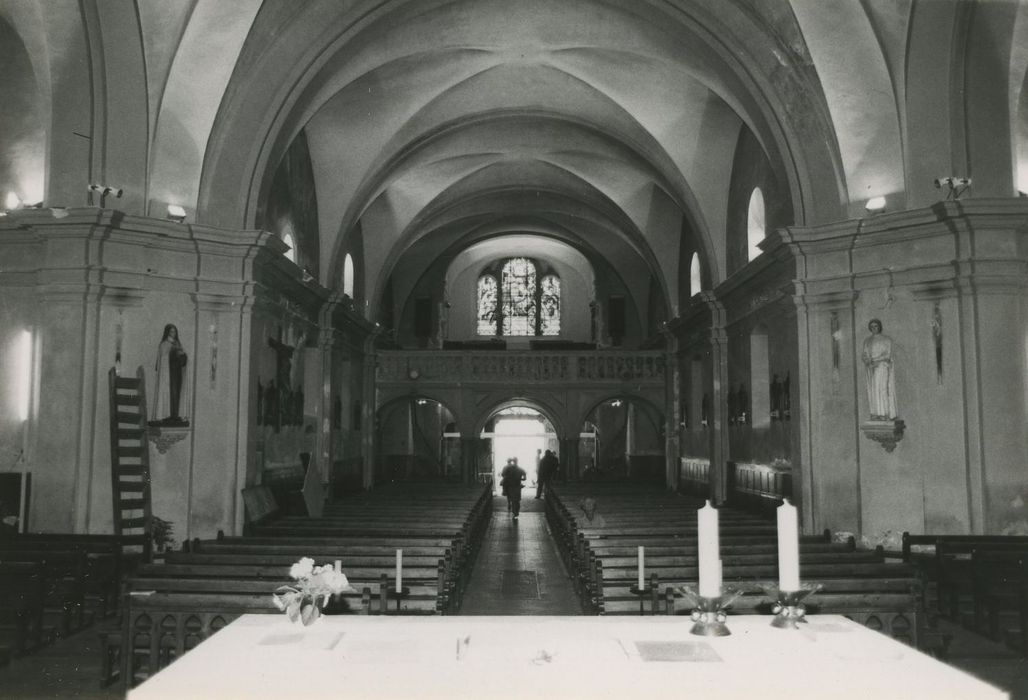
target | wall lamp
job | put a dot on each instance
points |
(104, 191)
(955, 186)
(875, 205)
(176, 213)
(12, 201)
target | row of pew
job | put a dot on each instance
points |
(174, 604)
(52, 586)
(978, 581)
(601, 551)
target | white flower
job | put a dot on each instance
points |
(337, 581)
(302, 568)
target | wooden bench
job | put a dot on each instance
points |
(604, 561)
(1001, 587)
(99, 577)
(63, 585)
(158, 628)
(22, 586)
(948, 564)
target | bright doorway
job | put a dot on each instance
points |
(523, 433)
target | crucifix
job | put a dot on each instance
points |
(279, 414)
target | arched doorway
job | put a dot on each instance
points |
(416, 440)
(515, 430)
(622, 438)
(523, 434)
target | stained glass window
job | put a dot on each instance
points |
(549, 303)
(517, 282)
(511, 296)
(487, 305)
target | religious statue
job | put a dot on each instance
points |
(881, 380)
(171, 361)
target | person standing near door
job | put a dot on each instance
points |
(548, 466)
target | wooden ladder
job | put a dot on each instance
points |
(130, 462)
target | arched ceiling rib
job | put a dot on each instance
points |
(398, 104)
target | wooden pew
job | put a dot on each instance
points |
(63, 586)
(604, 559)
(427, 583)
(158, 628)
(948, 564)
(22, 587)
(100, 575)
(1001, 588)
(889, 605)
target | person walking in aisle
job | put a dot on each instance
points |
(511, 479)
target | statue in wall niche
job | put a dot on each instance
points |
(879, 373)
(168, 394)
(743, 403)
(271, 410)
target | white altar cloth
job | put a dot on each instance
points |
(487, 658)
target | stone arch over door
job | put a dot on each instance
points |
(497, 402)
(410, 432)
(643, 457)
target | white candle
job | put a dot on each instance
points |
(399, 570)
(788, 548)
(338, 567)
(642, 567)
(709, 554)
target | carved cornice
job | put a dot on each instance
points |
(164, 437)
(887, 433)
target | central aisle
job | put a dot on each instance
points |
(518, 570)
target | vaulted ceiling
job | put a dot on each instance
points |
(433, 125)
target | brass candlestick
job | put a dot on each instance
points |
(788, 608)
(709, 613)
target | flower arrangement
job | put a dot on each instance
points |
(314, 584)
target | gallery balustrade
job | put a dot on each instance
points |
(594, 366)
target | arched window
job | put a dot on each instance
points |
(348, 276)
(549, 305)
(487, 299)
(695, 281)
(513, 299)
(289, 240)
(755, 224)
(517, 280)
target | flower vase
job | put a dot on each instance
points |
(298, 606)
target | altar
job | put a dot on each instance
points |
(266, 656)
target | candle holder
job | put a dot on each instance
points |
(788, 607)
(708, 614)
(642, 593)
(399, 595)
(648, 589)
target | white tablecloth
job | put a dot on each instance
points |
(486, 658)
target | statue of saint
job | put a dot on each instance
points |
(881, 380)
(171, 361)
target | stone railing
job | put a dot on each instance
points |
(504, 366)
